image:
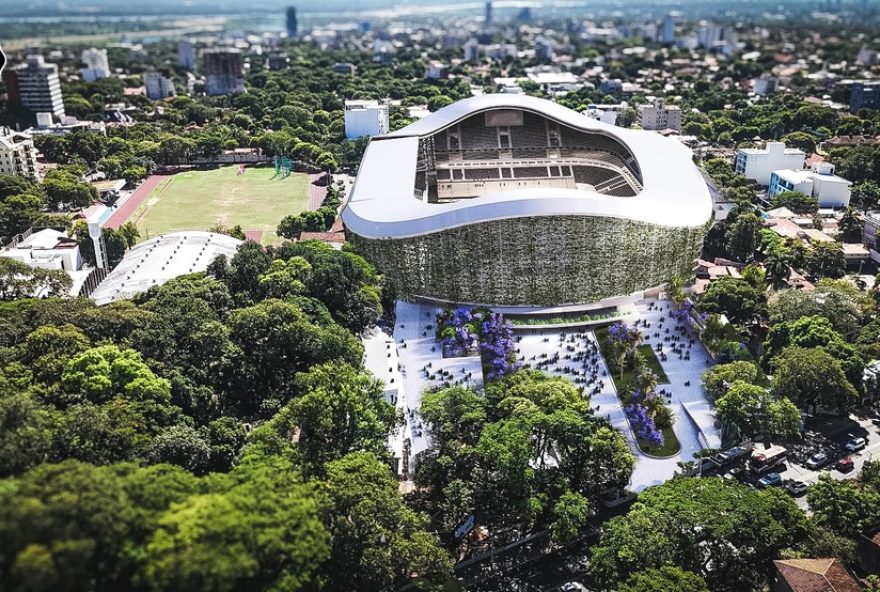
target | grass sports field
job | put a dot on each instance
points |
(198, 200)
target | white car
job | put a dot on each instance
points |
(856, 444)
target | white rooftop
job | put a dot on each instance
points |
(160, 259)
(383, 205)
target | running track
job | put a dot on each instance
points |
(121, 215)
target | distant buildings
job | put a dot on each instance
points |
(611, 86)
(487, 19)
(17, 155)
(435, 70)
(765, 85)
(864, 95)
(830, 190)
(474, 51)
(659, 116)
(158, 85)
(224, 71)
(544, 50)
(757, 163)
(365, 118)
(95, 64)
(186, 55)
(292, 23)
(35, 86)
(344, 68)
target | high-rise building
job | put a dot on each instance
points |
(659, 116)
(17, 155)
(158, 85)
(95, 64)
(224, 71)
(186, 55)
(668, 37)
(34, 85)
(487, 20)
(292, 24)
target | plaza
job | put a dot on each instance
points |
(411, 358)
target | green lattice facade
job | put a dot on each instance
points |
(540, 261)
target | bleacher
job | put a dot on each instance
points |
(583, 158)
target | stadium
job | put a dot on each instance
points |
(518, 201)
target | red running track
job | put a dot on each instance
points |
(121, 215)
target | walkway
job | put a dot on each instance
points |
(317, 193)
(125, 210)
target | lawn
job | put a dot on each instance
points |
(199, 200)
(647, 353)
(671, 445)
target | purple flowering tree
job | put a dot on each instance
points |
(458, 331)
(498, 346)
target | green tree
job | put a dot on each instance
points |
(826, 260)
(810, 377)
(20, 280)
(340, 411)
(718, 379)
(263, 532)
(378, 542)
(743, 237)
(846, 507)
(797, 202)
(667, 578)
(570, 515)
(720, 530)
(735, 298)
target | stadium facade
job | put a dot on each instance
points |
(518, 201)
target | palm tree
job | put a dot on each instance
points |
(778, 268)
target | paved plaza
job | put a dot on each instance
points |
(410, 362)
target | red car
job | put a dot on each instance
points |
(844, 465)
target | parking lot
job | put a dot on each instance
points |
(827, 437)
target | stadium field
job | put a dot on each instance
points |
(199, 200)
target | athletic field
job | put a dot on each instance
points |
(199, 200)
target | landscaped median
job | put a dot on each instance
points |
(636, 372)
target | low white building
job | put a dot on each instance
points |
(17, 154)
(95, 64)
(830, 190)
(47, 249)
(660, 116)
(157, 85)
(758, 163)
(605, 113)
(366, 118)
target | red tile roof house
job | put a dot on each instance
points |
(813, 575)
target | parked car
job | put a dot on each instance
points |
(856, 444)
(845, 465)
(726, 457)
(770, 480)
(572, 587)
(817, 461)
(796, 488)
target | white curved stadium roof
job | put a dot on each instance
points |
(382, 202)
(161, 259)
